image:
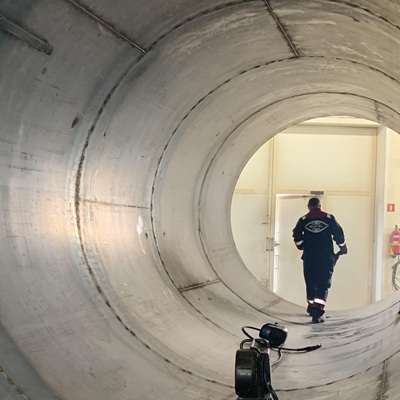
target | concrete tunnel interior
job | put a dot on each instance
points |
(125, 126)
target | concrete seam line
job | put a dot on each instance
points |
(104, 23)
(12, 383)
(377, 112)
(105, 203)
(383, 381)
(281, 28)
(199, 285)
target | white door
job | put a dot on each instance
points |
(352, 279)
(288, 269)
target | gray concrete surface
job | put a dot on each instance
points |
(119, 151)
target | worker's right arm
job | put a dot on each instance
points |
(298, 235)
(338, 236)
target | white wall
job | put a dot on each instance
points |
(343, 162)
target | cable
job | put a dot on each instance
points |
(304, 349)
(395, 280)
(288, 350)
(249, 327)
(267, 381)
(279, 357)
(280, 348)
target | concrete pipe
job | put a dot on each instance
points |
(125, 126)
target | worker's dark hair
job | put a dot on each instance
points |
(314, 202)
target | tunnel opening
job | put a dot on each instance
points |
(358, 185)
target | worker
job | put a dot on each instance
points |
(313, 235)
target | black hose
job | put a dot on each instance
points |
(395, 280)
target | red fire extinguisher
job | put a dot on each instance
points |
(395, 242)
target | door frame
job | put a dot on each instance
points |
(274, 225)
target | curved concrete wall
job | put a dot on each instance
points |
(120, 149)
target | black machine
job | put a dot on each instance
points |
(252, 365)
(252, 368)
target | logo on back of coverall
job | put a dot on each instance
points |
(316, 226)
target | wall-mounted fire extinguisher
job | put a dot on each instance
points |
(395, 242)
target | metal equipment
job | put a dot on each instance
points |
(252, 364)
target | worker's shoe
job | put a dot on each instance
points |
(309, 308)
(317, 320)
(316, 314)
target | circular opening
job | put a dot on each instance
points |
(351, 164)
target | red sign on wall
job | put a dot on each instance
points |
(390, 208)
